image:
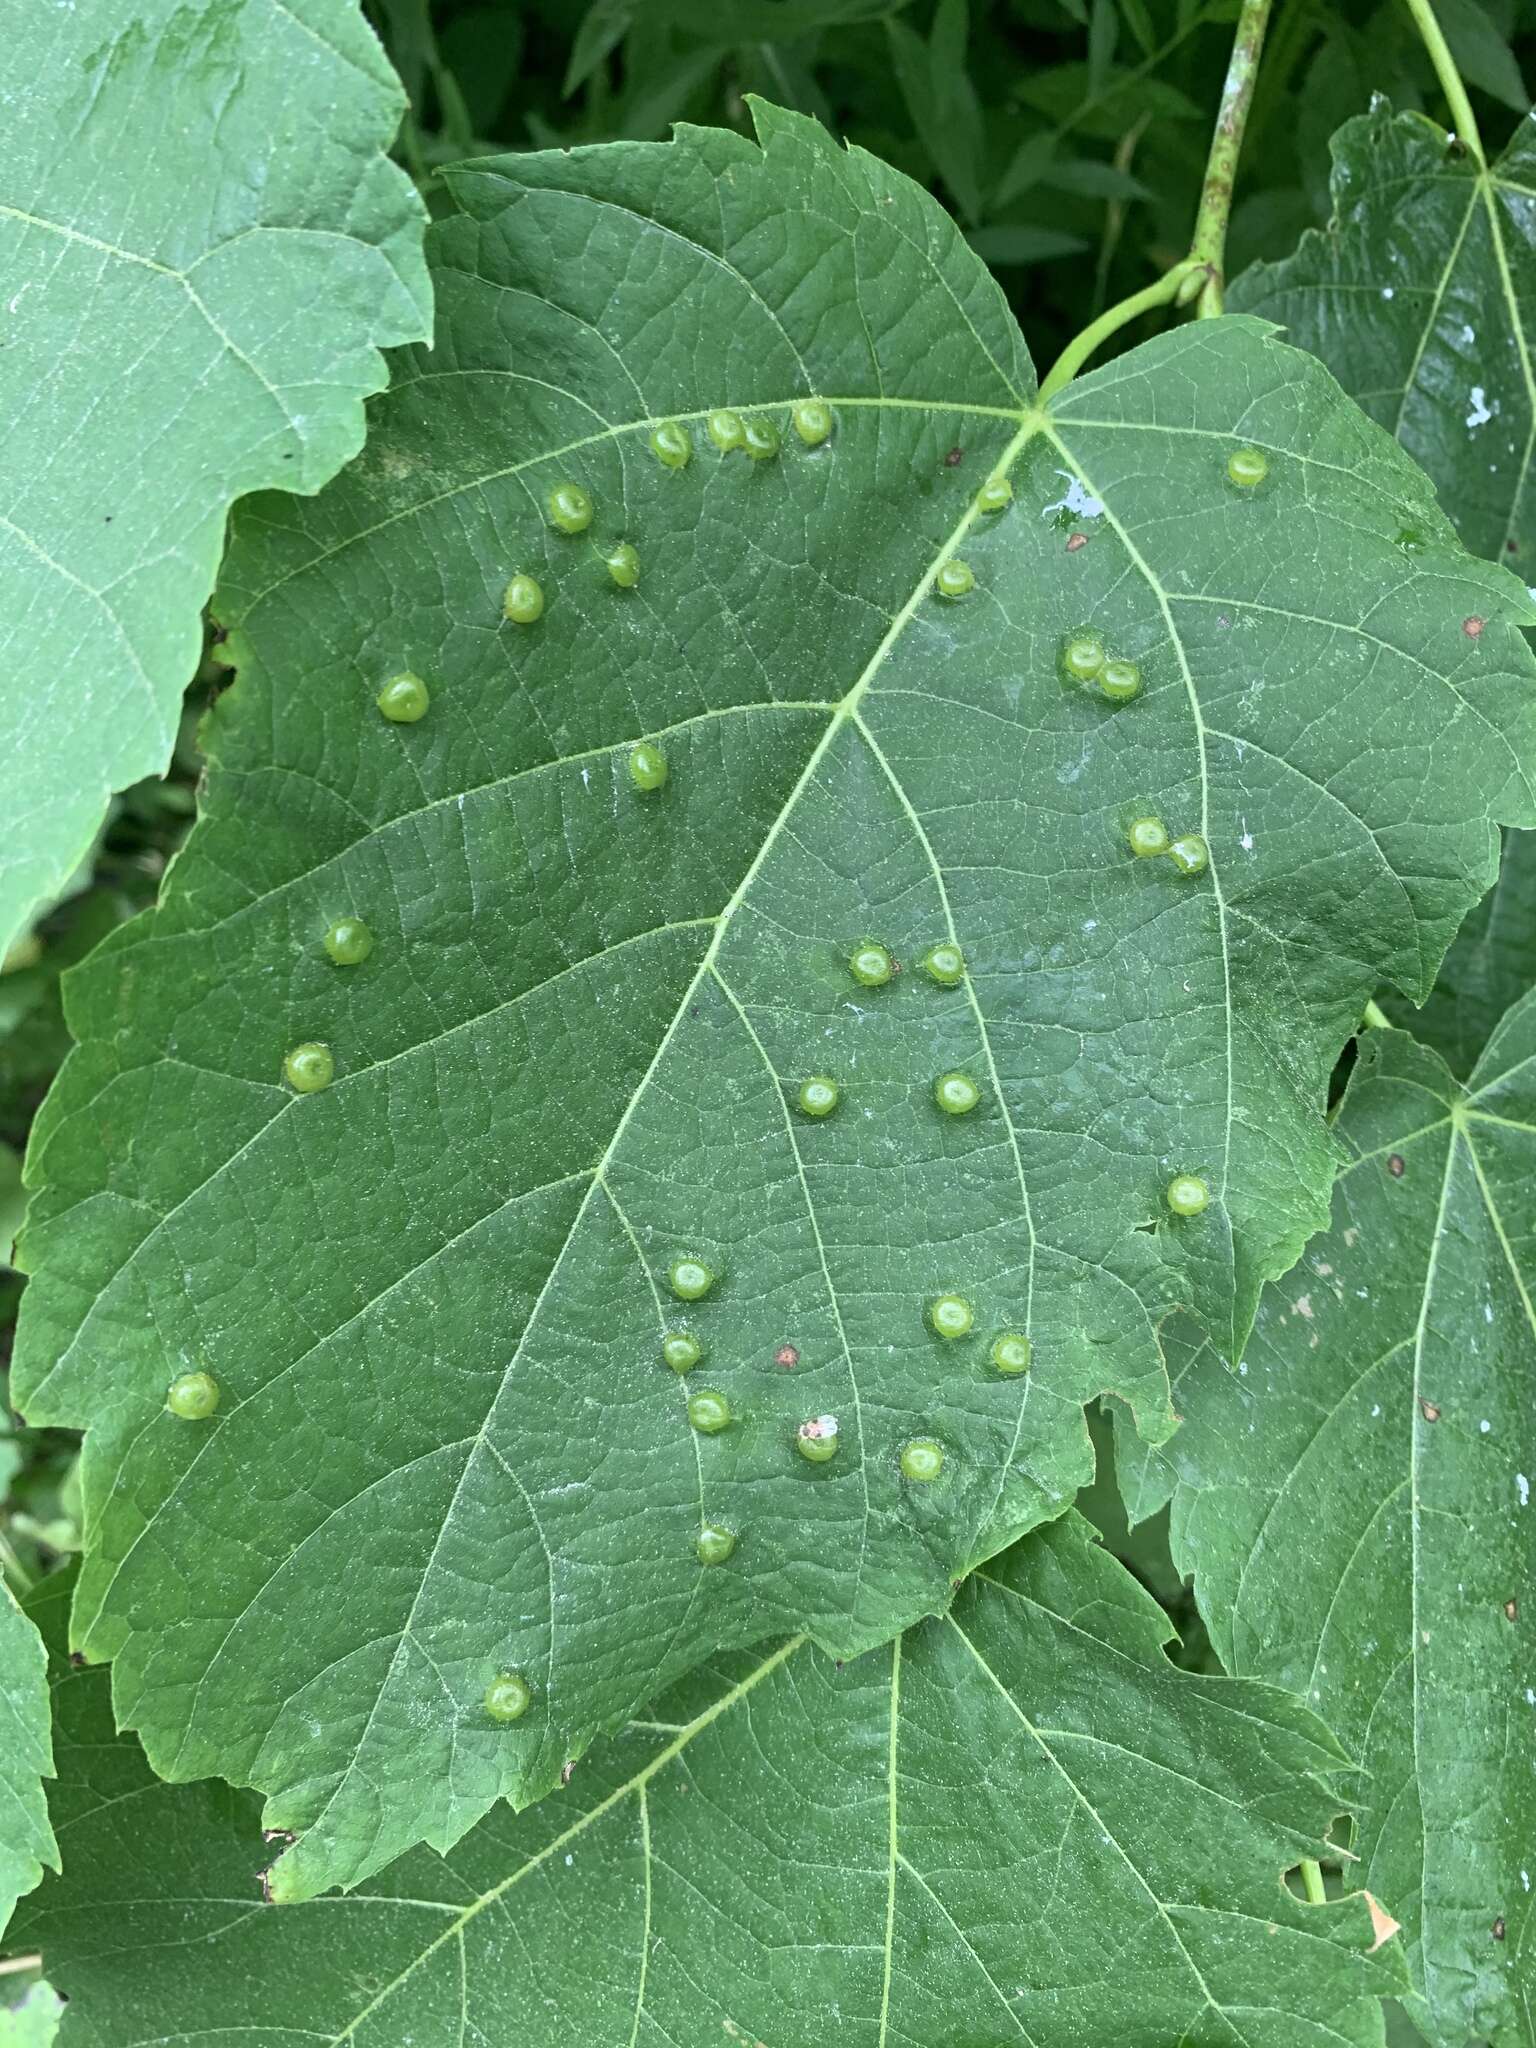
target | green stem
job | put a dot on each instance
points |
(1210, 239)
(1450, 78)
(1376, 1018)
(1110, 321)
(1312, 1882)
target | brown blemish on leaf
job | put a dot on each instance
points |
(952, 458)
(1397, 1166)
(787, 1356)
(1473, 627)
(1078, 540)
(1431, 1412)
(1511, 1610)
(1497, 1929)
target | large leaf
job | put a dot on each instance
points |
(1357, 1506)
(1421, 298)
(433, 1293)
(1018, 1824)
(26, 1758)
(205, 248)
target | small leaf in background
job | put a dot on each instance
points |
(1481, 54)
(1004, 246)
(974, 1821)
(1356, 1504)
(572, 1055)
(941, 99)
(231, 345)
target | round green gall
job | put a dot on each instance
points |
(715, 1544)
(309, 1068)
(672, 445)
(624, 565)
(690, 1279)
(404, 699)
(813, 421)
(522, 601)
(648, 767)
(1146, 837)
(818, 1096)
(726, 430)
(760, 438)
(192, 1396)
(709, 1411)
(570, 509)
(681, 1350)
(816, 1439)
(995, 495)
(955, 579)
(1011, 1353)
(349, 942)
(1189, 854)
(1187, 1194)
(922, 1459)
(871, 965)
(949, 1316)
(508, 1697)
(1120, 681)
(1082, 657)
(945, 964)
(1247, 467)
(956, 1094)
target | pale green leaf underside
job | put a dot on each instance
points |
(204, 249)
(26, 1840)
(33, 2022)
(1357, 1506)
(1421, 298)
(434, 1294)
(1018, 1824)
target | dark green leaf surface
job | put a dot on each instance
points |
(1421, 298)
(433, 1294)
(26, 1840)
(1491, 965)
(1018, 1824)
(205, 248)
(1356, 1505)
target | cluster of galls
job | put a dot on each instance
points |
(817, 1439)
(405, 699)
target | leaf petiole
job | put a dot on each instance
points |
(1082, 346)
(1450, 78)
(1210, 238)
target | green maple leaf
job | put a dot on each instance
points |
(205, 248)
(786, 1851)
(1420, 298)
(433, 1293)
(1356, 1505)
(26, 1840)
